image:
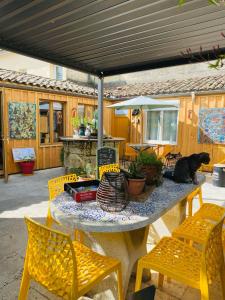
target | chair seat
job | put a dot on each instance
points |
(210, 211)
(175, 259)
(91, 267)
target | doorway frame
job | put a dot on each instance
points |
(4, 136)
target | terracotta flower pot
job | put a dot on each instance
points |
(136, 186)
(152, 173)
(27, 167)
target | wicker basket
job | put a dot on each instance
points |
(112, 193)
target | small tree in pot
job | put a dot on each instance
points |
(151, 167)
(135, 178)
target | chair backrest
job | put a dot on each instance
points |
(196, 192)
(50, 259)
(212, 278)
(166, 149)
(56, 185)
(108, 168)
(129, 150)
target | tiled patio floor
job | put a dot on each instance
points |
(28, 196)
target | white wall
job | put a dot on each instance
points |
(21, 63)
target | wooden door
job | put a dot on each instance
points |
(122, 129)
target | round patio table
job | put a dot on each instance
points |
(122, 235)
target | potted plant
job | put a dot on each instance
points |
(76, 121)
(27, 167)
(136, 179)
(151, 167)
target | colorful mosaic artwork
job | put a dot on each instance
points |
(22, 120)
(211, 129)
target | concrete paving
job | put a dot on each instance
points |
(29, 196)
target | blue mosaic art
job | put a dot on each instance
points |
(211, 128)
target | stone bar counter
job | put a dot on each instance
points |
(81, 152)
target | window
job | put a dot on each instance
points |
(86, 111)
(51, 121)
(121, 112)
(161, 126)
(58, 73)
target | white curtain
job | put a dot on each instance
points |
(169, 131)
(153, 125)
(162, 126)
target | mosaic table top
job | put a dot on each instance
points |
(88, 216)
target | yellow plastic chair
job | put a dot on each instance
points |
(209, 167)
(166, 149)
(108, 168)
(56, 187)
(196, 228)
(130, 152)
(178, 260)
(67, 269)
(190, 198)
(210, 211)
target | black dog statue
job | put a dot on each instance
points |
(186, 168)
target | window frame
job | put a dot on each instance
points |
(51, 122)
(160, 141)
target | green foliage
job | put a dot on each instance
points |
(135, 170)
(78, 171)
(76, 121)
(86, 171)
(219, 63)
(145, 158)
(215, 2)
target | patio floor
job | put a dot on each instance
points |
(28, 196)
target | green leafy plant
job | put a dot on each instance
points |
(145, 158)
(215, 2)
(217, 54)
(78, 171)
(134, 171)
(76, 121)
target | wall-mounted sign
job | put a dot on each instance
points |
(22, 154)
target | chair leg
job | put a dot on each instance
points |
(200, 197)
(120, 283)
(49, 220)
(79, 236)
(25, 284)
(160, 280)
(190, 202)
(138, 277)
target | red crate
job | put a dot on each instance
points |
(81, 196)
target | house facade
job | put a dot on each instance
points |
(198, 125)
(36, 111)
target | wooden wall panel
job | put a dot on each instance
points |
(48, 156)
(188, 126)
(17, 96)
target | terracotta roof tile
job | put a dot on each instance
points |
(33, 80)
(173, 87)
(168, 87)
